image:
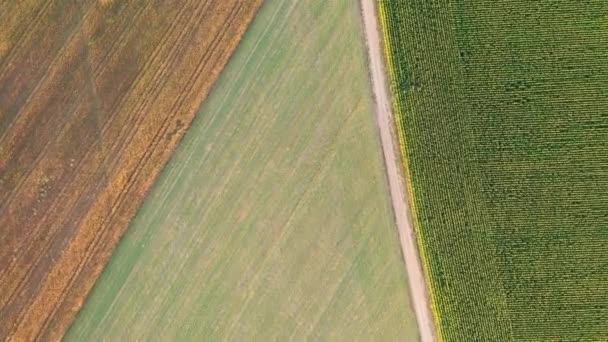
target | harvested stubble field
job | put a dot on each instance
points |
(272, 220)
(502, 109)
(94, 96)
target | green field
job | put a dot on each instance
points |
(272, 221)
(503, 109)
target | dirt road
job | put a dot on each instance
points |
(417, 284)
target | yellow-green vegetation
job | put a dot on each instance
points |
(272, 221)
(502, 113)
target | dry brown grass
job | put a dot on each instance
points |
(94, 96)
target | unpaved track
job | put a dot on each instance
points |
(418, 286)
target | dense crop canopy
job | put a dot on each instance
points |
(502, 112)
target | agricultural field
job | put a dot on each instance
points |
(272, 220)
(502, 113)
(94, 96)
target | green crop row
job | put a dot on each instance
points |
(501, 109)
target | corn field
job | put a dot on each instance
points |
(502, 113)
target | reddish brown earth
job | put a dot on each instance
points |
(94, 96)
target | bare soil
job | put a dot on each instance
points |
(394, 170)
(94, 97)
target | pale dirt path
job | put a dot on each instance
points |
(407, 237)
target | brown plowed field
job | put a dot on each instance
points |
(94, 96)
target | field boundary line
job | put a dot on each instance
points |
(419, 291)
